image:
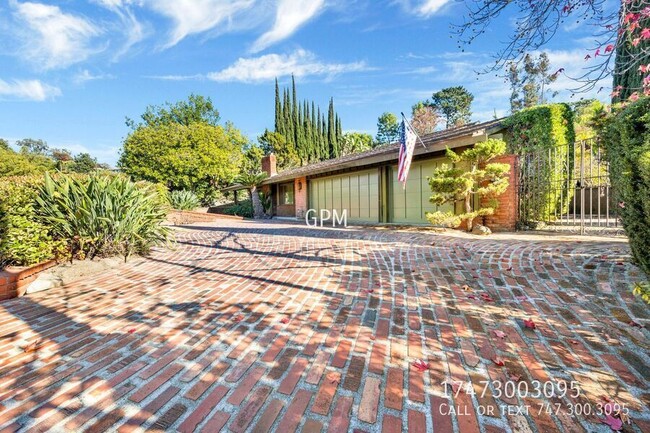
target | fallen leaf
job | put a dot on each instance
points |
(420, 365)
(486, 297)
(238, 318)
(284, 320)
(131, 331)
(33, 347)
(500, 334)
(369, 291)
(373, 338)
(635, 325)
(520, 298)
(614, 423)
(509, 269)
(528, 323)
(498, 361)
(619, 263)
(467, 288)
(514, 377)
(574, 342)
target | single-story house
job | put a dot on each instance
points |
(365, 184)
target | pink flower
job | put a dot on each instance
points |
(636, 41)
(634, 97)
(643, 68)
(597, 53)
(645, 33)
(609, 48)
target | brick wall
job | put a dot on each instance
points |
(269, 165)
(14, 281)
(179, 217)
(300, 197)
(505, 216)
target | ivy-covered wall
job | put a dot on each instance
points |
(544, 137)
(627, 136)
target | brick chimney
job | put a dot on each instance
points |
(268, 165)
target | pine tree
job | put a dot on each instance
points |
(314, 133)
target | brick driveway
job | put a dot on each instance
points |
(276, 327)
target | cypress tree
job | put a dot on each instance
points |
(331, 130)
(306, 128)
(278, 108)
(324, 142)
(314, 133)
(339, 135)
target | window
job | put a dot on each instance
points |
(285, 194)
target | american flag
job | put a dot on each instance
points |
(407, 145)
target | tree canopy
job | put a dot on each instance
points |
(387, 128)
(454, 104)
(622, 37)
(197, 109)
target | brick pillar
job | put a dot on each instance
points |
(300, 200)
(269, 165)
(505, 216)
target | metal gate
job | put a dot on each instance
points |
(567, 188)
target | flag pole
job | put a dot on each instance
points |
(411, 126)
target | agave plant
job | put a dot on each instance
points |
(103, 216)
(184, 200)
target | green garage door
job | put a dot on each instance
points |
(409, 205)
(357, 192)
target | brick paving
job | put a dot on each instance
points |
(254, 327)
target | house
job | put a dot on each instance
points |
(365, 184)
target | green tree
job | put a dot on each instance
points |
(354, 142)
(197, 109)
(387, 128)
(530, 83)
(454, 104)
(83, 163)
(4, 144)
(33, 146)
(252, 161)
(197, 157)
(63, 155)
(424, 118)
(252, 181)
(276, 143)
(470, 175)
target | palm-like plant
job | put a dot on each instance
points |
(252, 181)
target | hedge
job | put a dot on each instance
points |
(627, 138)
(545, 134)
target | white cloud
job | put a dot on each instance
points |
(130, 27)
(290, 16)
(197, 16)
(33, 90)
(300, 63)
(54, 39)
(431, 7)
(85, 76)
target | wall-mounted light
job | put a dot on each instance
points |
(299, 186)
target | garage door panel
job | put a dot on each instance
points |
(410, 205)
(356, 192)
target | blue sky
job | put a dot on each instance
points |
(70, 71)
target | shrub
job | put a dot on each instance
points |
(243, 209)
(102, 215)
(627, 139)
(183, 200)
(542, 133)
(24, 240)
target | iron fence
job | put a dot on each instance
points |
(567, 188)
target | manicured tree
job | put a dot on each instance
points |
(252, 181)
(471, 175)
(314, 133)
